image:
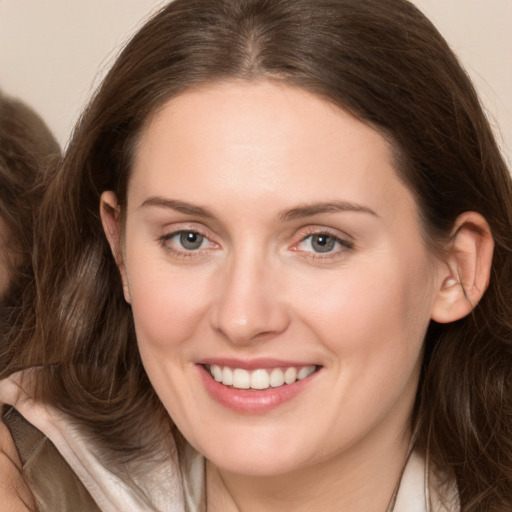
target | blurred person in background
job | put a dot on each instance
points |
(28, 150)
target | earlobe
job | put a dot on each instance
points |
(465, 275)
(111, 220)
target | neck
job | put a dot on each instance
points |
(362, 478)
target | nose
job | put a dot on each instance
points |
(249, 306)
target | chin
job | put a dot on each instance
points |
(255, 459)
(256, 467)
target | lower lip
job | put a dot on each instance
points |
(252, 401)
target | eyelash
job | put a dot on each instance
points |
(183, 253)
(343, 244)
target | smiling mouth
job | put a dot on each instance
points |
(259, 379)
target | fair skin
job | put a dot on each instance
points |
(4, 262)
(15, 494)
(266, 230)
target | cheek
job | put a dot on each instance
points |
(167, 304)
(373, 315)
(373, 322)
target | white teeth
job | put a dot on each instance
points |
(304, 372)
(290, 375)
(241, 379)
(276, 378)
(260, 378)
(227, 376)
(216, 372)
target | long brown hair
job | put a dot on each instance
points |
(28, 151)
(384, 62)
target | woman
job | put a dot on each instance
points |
(27, 150)
(274, 273)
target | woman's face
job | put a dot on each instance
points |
(5, 263)
(270, 245)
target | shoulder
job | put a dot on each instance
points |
(14, 490)
(31, 460)
(44, 476)
(61, 458)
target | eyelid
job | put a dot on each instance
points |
(346, 241)
(186, 228)
(318, 229)
(171, 228)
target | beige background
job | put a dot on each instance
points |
(54, 52)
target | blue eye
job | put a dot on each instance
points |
(186, 240)
(190, 240)
(322, 243)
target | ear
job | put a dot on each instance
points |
(465, 275)
(111, 219)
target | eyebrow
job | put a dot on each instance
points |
(310, 210)
(300, 212)
(179, 206)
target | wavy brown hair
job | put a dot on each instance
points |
(28, 150)
(384, 62)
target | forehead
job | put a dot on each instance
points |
(264, 140)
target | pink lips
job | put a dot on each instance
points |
(252, 364)
(251, 401)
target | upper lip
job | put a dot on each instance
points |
(254, 364)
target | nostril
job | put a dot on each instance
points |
(248, 309)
